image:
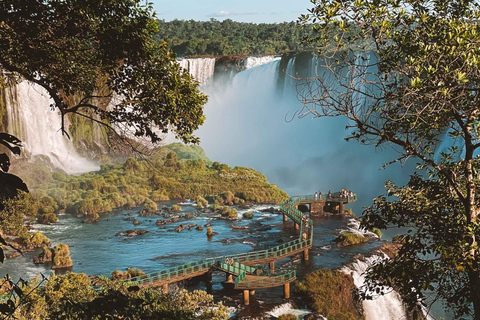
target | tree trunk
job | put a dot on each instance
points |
(474, 278)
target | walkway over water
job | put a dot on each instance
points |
(247, 268)
(326, 204)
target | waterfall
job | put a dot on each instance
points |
(386, 307)
(252, 121)
(201, 69)
(253, 61)
(31, 119)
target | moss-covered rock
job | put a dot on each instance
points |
(248, 215)
(349, 238)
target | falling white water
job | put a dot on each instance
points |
(251, 122)
(386, 307)
(353, 226)
(201, 69)
(31, 119)
(253, 61)
(287, 308)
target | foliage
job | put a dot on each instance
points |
(399, 238)
(248, 215)
(71, 296)
(349, 239)
(16, 211)
(412, 82)
(83, 53)
(209, 231)
(377, 231)
(229, 37)
(150, 205)
(61, 256)
(137, 182)
(330, 293)
(189, 152)
(35, 240)
(201, 202)
(288, 316)
(130, 273)
(10, 184)
(349, 212)
(176, 208)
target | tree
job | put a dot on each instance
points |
(90, 54)
(406, 74)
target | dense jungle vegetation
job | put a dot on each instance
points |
(162, 176)
(227, 37)
(72, 296)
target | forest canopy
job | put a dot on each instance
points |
(227, 37)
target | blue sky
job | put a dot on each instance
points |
(257, 11)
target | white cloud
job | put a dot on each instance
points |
(235, 13)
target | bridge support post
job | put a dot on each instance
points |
(286, 290)
(342, 208)
(246, 297)
(305, 255)
(208, 282)
(165, 288)
(272, 267)
(285, 218)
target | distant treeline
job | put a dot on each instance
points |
(227, 37)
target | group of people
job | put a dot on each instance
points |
(344, 193)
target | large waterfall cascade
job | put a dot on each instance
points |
(201, 69)
(31, 119)
(386, 307)
(256, 61)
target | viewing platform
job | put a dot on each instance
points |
(245, 267)
(325, 204)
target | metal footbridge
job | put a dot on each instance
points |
(248, 268)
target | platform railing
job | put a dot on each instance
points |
(205, 265)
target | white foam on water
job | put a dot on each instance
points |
(287, 308)
(386, 307)
(256, 61)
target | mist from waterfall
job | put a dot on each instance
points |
(31, 119)
(252, 122)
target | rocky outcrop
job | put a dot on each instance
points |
(131, 233)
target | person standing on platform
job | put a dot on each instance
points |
(315, 196)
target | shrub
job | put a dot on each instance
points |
(399, 238)
(349, 212)
(149, 205)
(330, 293)
(288, 316)
(36, 239)
(349, 239)
(248, 215)
(209, 231)
(48, 218)
(377, 232)
(176, 208)
(201, 202)
(61, 256)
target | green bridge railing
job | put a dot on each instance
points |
(336, 196)
(238, 268)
